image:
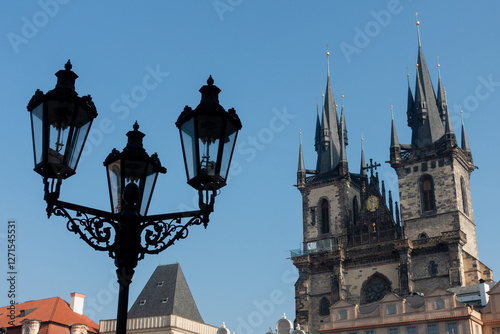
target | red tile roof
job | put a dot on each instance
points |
(51, 310)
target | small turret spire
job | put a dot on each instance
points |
(465, 141)
(317, 138)
(394, 134)
(301, 168)
(362, 168)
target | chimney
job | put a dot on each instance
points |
(483, 289)
(76, 303)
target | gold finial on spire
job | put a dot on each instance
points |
(328, 60)
(342, 96)
(418, 30)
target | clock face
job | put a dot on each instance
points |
(372, 203)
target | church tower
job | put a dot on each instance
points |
(434, 185)
(358, 245)
(348, 227)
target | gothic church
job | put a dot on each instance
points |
(357, 244)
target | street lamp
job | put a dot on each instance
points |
(60, 123)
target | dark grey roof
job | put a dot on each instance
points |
(166, 293)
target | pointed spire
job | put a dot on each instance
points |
(329, 150)
(343, 157)
(418, 30)
(301, 168)
(362, 168)
(342, 120)
(441, 98)
(425, 121)
(327, 61)
(410, 106)
(330, 110)
(394, 134)
(317, 138)
(465, 141)
(391, 210)
(449, 126)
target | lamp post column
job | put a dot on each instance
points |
(127, 244)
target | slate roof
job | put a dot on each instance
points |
(51, 310)
(166, 293)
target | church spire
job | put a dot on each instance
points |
(329, 150)
(465, 142)
(424, 118)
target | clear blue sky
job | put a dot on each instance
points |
(268, 57)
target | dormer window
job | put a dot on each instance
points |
(159, 283)
(164, 300)
(142, 302)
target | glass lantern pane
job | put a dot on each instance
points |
(227, 153)
(209, 150)
(37, 131)
(189, 148)
(115, 188)
(82, 127)
(148, 191)
(59, 117)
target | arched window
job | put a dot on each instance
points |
(464, 196)
(422, 235)
(375, 288)
(427, 192)
(324, 307)
(325, 217)
(355, 210)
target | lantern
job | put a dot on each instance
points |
(60, 123)
(208, 137)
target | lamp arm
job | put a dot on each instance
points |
(159, 235)
(162, 231)
(98, 232)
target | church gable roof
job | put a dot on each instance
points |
(343, 303)
(166, 293)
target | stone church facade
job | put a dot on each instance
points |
(358, 245)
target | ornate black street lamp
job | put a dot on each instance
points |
(61, 121)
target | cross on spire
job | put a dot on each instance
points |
(372, 166)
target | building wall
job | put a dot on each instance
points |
(449, 214)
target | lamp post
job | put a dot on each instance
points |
(60, 123)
